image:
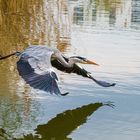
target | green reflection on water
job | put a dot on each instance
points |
(33, 22)
(63, 124)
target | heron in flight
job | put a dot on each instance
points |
(36, 63)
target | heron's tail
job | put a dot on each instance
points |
(7, 56)
(102, 83)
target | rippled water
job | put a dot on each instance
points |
(105, 31)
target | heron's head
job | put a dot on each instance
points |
(79, 59)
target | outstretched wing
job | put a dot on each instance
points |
(80, 71)
(45, 81)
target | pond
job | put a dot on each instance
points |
(107, 32)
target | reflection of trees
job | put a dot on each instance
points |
(19, 20)
(9, 116)
(119, 13)
(135, 13)
(58, 23)
(24, 22)
(107, 4)
(14, 115)
(87, 12)
(40, 22)
(126, 12)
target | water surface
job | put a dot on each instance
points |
(105, 31)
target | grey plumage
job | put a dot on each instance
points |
(36, 63)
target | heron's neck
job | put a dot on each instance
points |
(64, 62)
(71, 62)
(68, 64)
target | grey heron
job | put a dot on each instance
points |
(36, 63)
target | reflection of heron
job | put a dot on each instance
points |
(35, 67)
(65, 123)
(61, 126)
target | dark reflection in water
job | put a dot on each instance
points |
(63, 124)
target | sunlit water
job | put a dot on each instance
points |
(107, 32)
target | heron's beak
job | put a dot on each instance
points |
(91, 62)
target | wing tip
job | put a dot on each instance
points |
(113, 84)
(64, 94)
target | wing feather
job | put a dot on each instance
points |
(46, 81)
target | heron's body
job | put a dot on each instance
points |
(39, 57)
(36, 64)
(35, 68)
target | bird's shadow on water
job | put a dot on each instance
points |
(61, 126)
